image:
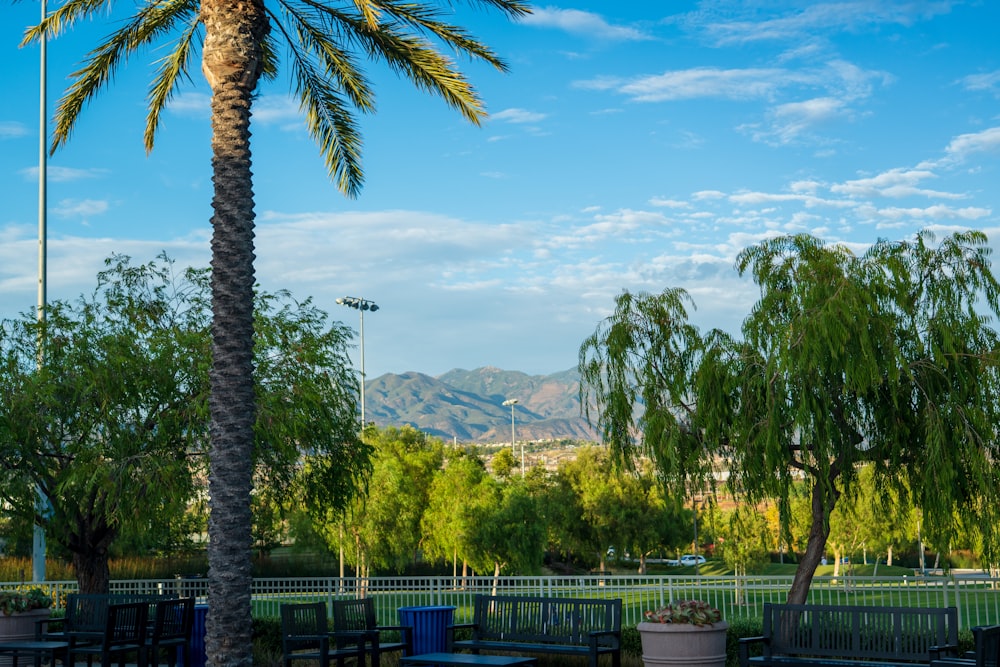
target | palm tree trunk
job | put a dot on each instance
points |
(234, 32)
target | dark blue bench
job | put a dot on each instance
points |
(562, 626)
(848, 636)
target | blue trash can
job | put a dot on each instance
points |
(198, 656)
(430, 627)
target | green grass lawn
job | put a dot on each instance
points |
(715, 567)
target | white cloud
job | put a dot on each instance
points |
(699, 82)
(270, 109)
(843, 81)
(579, 22)
(12, 130)
(987, 141)
(518, 116)
(809, 201)
(895, 183)
(668, 203)
(191, 104)
(69, 208)
(708, 194)
(820, 18)
(938, 212)
(988, 82)
(794, 120)
(64, 174)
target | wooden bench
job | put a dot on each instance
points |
(985, 654)
(846, 636)
(562, 626)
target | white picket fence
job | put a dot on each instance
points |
(977, 597)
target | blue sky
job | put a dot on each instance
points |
(633, 146)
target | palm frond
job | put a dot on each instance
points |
(426, 19)
(173, 67)
(512, 8)
(369, 11)
(418, 60)
(314, 39)
(63, 18)
(408, 54)
(328, 82)
(102, 63)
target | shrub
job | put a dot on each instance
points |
(24, 599)
(693, 612)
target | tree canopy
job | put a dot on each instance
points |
(113, 427)
(886, 358)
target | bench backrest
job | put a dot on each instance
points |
(354, 615)
(545, 620)
(987, 639)
(87, 612)
(897, 633)
(303, 627)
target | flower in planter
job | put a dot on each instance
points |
(18, 600)
(692, 612)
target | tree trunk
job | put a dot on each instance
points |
(819, 531)
(90, 555)
(89, 541)
(231, 62)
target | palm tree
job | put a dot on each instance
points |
(240, 40)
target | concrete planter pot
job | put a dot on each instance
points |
(683, 645)
(19, 627)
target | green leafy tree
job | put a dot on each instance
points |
(591, 507)
(503, 463)
(447, 524)
(885, 359)
(241, 42)
(743, 545)
(381, 528)
(506, 534)
(113, 428)
(871, 523)
(649, 521)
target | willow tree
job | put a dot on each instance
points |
(886, 359)
(240, 42)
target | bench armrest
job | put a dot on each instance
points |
(42, 626)
(405, 634)
(744, 647)
(943, 650)
(450, 633)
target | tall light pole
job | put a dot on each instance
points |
(512, 402)
(38, 535)
(361, 305)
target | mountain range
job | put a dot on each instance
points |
(467, 406)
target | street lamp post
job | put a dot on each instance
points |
(361, 305)
(38, 550)
(512, 402)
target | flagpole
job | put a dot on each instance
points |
(38, 541)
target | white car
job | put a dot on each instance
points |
(690, 559)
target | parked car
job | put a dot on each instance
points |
(690, 559)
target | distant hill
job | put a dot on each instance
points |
(467, 405)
